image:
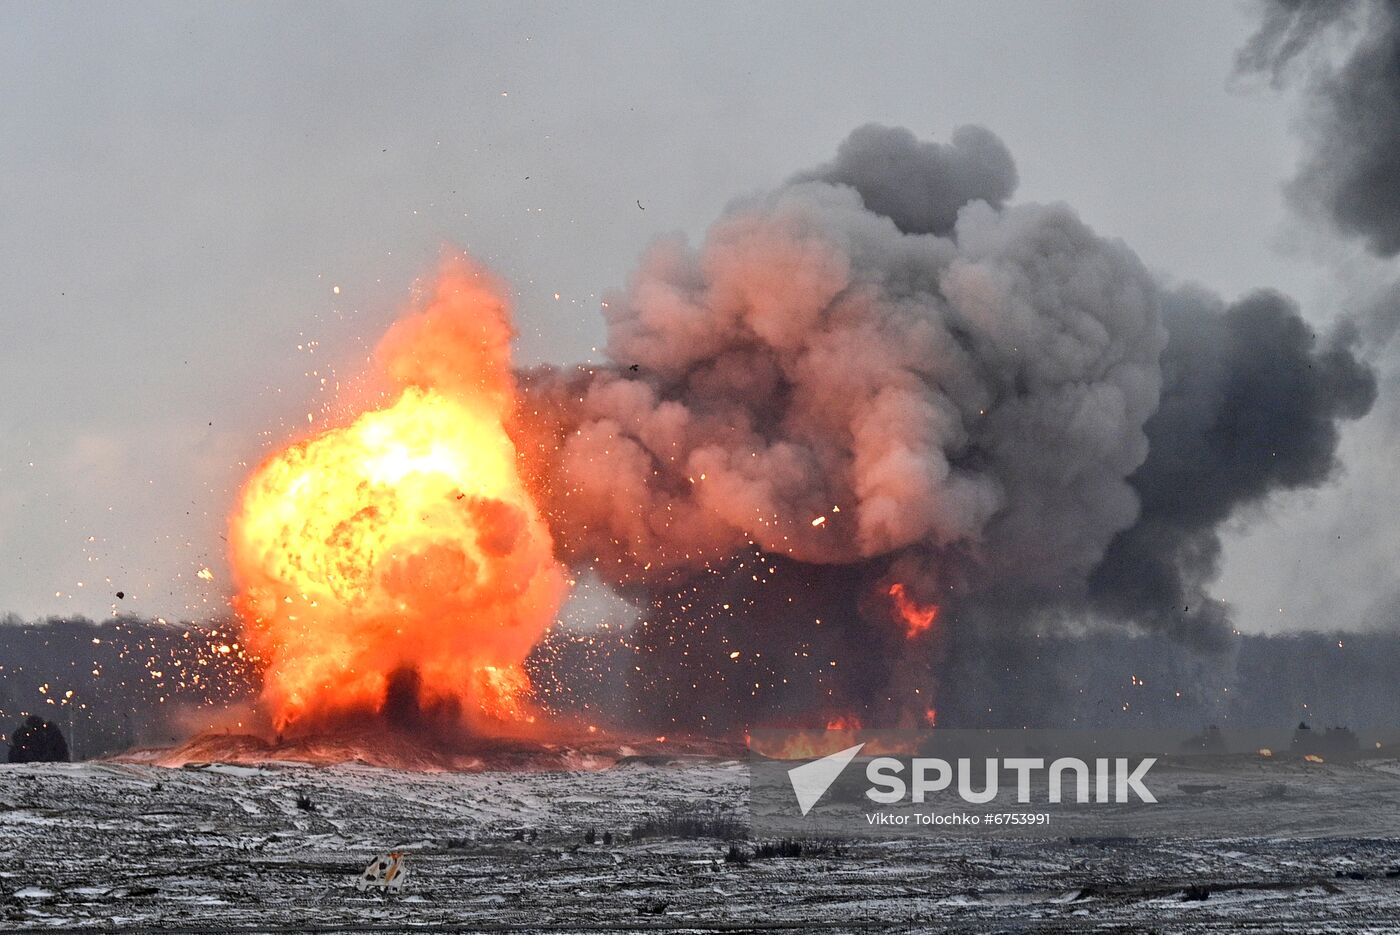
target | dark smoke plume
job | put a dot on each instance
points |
(1351, 171)
(881, 373)
(921, 186)
(1344, 55)
(1250, 405)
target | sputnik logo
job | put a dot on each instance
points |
(811, 780)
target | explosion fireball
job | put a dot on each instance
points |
(398, 563)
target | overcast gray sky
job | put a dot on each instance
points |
(184, 186)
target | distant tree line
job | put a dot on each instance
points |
(135, 682)
(106, 687)
(1096, 679)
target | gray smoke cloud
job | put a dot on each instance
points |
(1250, 405)
(811, 361)
(1351, 171)
(881, 372)
(1344, 55)
(921, 186)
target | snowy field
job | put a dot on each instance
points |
(223, 848)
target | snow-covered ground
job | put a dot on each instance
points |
(211, 847)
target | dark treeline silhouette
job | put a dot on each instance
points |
(1107, 679)
(114, 685)
(136, 682)
(1153, 681)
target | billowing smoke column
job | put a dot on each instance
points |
(1352, 169)
(397, 565)
(878, 392)
(1250, 405)
(818, 383)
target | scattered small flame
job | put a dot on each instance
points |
(842, 732)
(916, 618)
(1314, 758)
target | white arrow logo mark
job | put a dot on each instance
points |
(811, 780)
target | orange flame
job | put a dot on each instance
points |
(916, 618)
(842, 731)
(405, 540)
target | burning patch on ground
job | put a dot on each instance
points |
(383, 744)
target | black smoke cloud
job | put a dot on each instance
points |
(1251, 403)
(1351, 171)
(883, 372)
(921, 186)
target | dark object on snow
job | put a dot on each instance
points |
(590, 836)
(783, 848)
(304, 802)
(792, 847)
(1332, 742)
(691, 822)
(607, 839)
(121, 595)
(38, 741)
